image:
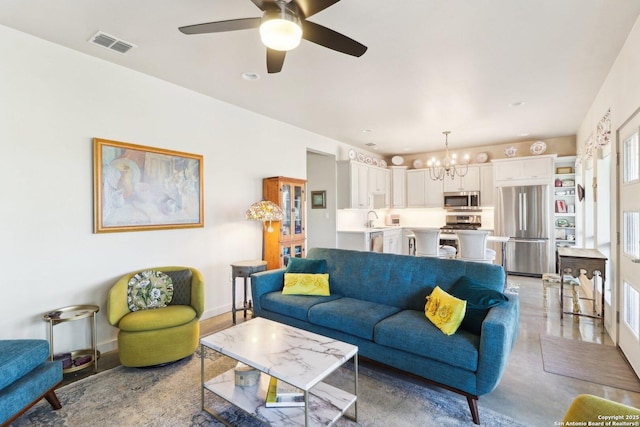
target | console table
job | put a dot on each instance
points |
(575, 261)
(243, 269)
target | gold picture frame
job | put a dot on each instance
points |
(139, 188)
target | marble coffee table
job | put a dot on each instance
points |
(300, 358)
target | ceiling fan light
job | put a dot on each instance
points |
(281, 30)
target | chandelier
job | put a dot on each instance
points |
(438, 171)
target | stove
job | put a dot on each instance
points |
(451, 228)
(461, 222)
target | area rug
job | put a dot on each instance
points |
(170, 396)
(512, 288)
(596, 363)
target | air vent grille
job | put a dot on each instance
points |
(110, 42)
(370, 144)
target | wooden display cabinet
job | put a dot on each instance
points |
(288, 238)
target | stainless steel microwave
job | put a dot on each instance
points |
(462, 200)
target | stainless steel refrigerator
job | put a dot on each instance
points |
(523, 215)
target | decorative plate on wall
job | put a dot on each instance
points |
(538, 148)
(397, 160)
(417, 163)
(510, 151)
(482, 157)
(352, 154)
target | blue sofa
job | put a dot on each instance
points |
(26, 376)
(377, 303)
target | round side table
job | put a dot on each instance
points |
(77, 359)
(243, 269)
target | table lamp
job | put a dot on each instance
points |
(264, 211)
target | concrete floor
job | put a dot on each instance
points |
(526, 393)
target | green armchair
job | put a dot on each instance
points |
(586, 408)
(158, 335)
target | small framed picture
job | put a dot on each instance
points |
(318, 199)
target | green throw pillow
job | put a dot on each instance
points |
(306, 284)
(479, 300)
(149, 289)
(306, 265)
(444, 311)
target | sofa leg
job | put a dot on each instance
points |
(53, 399)
(473, 406)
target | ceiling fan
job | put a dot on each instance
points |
(283, 24)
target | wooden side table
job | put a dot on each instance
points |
(80, 359)
(243, 269)
(574, 261)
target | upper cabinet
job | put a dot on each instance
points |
(422, 191)
(487, 189)
(532, 170)
(398, 187)
(361, 186)
(469, 182)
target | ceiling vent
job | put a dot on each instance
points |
(370, 144)
(112, 43)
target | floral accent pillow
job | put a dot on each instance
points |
(149, 289)
(445, 311)
(306, 284)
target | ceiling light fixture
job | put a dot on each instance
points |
(280, 29)
(438, 172)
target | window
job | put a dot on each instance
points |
(631, 233)
(631, 156)
(631, 309)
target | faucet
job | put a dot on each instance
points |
(369, 223)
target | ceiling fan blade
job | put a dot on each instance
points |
(275, 59)
(311, 7)
(331, 39)
(222, 26)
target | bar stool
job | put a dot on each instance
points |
(473, 246)
(428, 244)
(552, 280)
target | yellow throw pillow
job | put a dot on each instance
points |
(306, 284)
(445, 311)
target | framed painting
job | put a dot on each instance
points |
(140, 188)
(318, 199)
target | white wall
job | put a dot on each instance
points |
(321, 223)
(53, 101)
(620, 92)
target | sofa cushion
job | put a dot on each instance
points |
(306, 265)
(479, 300)
(296, 306)
(181, 280)
(149, 289)
(445, 311)
(19, 357)
(306, 284)
(165, 317)
(353, 316)
(411, 331)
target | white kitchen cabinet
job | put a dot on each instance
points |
(422, 191)
(469, 182)
(532, 170)
(392, 241)
(358, 182)
(487, 189)
(398, 186)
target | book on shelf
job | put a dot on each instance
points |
(280, 394)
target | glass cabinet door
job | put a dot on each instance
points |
(286, 208)
(298, 209)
